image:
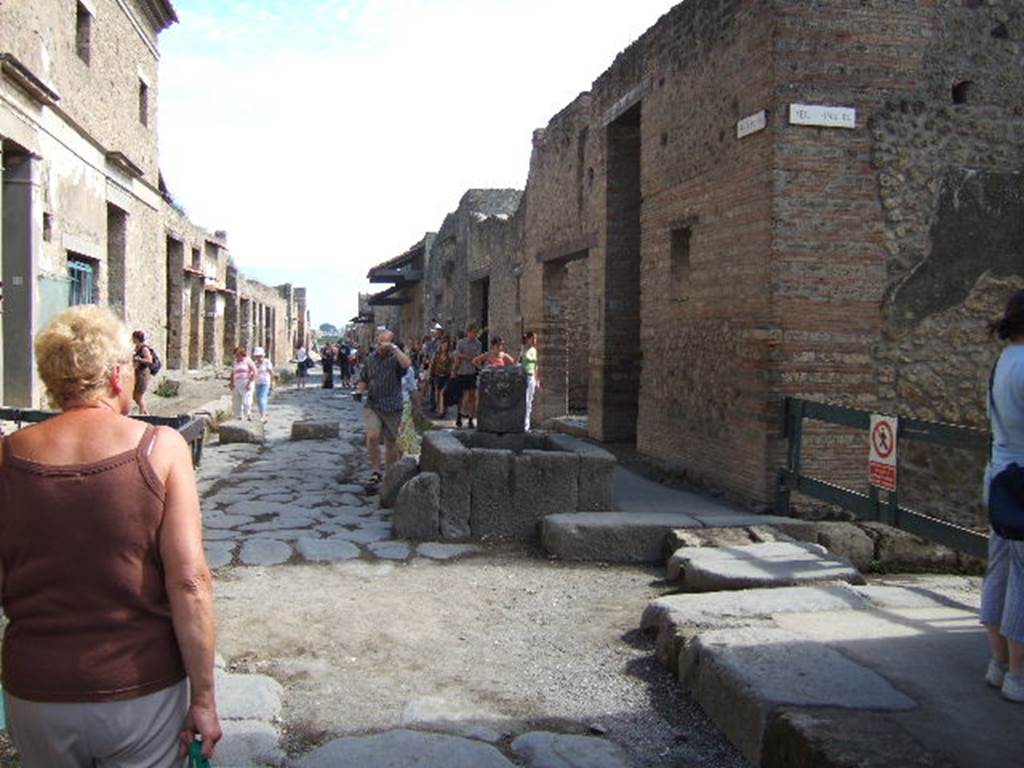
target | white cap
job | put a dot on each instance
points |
(258, 352)
(436, 327)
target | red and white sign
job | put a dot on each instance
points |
(882, 459)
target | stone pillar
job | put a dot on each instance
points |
(195, 335)
(210, 327)
(553, 398)
(21, 244)
(117, 260)
(302, 330)
(232, 334)
(245, 324)
(176, 350)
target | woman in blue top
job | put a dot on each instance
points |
(1002, 600)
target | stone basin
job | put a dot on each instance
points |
(502, 485)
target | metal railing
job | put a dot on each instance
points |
(189, 427)
(872, 506)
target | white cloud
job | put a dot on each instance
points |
(329, 138)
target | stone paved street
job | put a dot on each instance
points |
(299, 501)
(345, 647)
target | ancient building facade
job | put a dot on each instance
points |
(85, 216)
(781, 199)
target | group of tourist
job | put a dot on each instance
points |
(448, 368)
(251, 378)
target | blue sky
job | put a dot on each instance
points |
(328, 135)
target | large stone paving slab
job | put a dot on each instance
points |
(739, 676)
(248, 743)
(620, 537)
(404, 749)
(771, 564)
(264, 552)
(247, 697)
(327, 550)
(540, 749)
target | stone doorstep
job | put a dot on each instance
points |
(769, 564)
(740, 676)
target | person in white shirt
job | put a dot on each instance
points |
(264, 381)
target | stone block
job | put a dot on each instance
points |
(837, 738)
(596, 473)
(397, 475)
(545, 483)
(247, 697)
(249, 742)
(502, 400)
(894, 547)
(417, 510)
(444, 455)
(405, 748)
(773, 564)
(615, 537)
(558, 750)
(492, 511)
(240, 432)
(314, 430)
(739, 676)
(844, 539)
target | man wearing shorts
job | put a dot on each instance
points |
(380, 382)
(465, 352)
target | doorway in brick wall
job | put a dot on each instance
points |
(621, 358)
(564, 347)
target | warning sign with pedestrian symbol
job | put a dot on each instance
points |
(882, 459)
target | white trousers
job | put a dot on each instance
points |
(241, 401)
(531, 390)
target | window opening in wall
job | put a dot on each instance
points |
(47, 228)
(83, 33)
(679, 266)
(82, 273)
(962, 92)
(143, 103)
(197, 259)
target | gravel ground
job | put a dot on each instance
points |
(500, 642)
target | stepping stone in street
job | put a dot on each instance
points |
(314, 430)
(247, 697)
(772, 564)
(440, 551)
(556, 750)
(264, 552)
(390, 550)
(405, 749)
(326, 550)
(249, 742)
(219, 553)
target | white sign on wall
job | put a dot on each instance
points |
(751, 124)
(822, 117)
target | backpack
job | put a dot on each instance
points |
(157, 364)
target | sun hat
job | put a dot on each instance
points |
(258, 352)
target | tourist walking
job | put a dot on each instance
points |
(345, 365)
(264, 381)
(380, 385)
(1002, 599)
(142, 359)
(327, 363)
(467, 350)
(496, 356)
(440, 374)
(108, 655)
(241, 383)
(529, 361)
(303, 362)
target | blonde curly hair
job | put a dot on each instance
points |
(77, 351)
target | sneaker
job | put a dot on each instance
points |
(996, 673)
(1013, 687)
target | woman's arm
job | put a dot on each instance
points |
(189, 587)
(479, 359)
(508, 358)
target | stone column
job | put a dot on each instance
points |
(176, 350)
(22, 241)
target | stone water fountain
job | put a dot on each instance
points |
(497, 481)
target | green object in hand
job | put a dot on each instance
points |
(195, 755)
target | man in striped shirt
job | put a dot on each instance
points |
(380, 381)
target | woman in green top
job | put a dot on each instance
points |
(529, 363)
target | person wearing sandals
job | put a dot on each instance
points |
(1002, 598)
(108, 655)
(380, 385)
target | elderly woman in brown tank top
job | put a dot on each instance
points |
(108, 656)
